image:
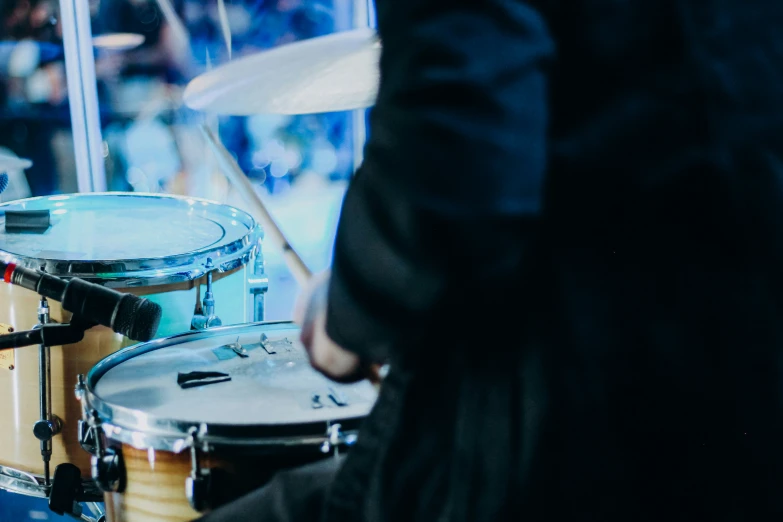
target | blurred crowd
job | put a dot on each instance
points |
(151, 141)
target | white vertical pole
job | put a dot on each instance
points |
(363, 16)
(83, 95)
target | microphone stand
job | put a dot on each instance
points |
(45, 335)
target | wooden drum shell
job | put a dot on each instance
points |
(155, 480)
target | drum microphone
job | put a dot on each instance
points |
(126, 314)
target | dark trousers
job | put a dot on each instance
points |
(295, 495)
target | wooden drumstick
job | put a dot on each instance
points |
(293, 261)
(271, 231)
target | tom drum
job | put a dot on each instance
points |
(186, 424)
(199, 260)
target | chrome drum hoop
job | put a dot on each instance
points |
(31, 485)
(142, 430)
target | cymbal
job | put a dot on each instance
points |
(9, 162)
(337, 72)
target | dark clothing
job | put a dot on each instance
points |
(567, 236)
(294, 496)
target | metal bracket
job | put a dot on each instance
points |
(86, 436)
(107, 468)
(336, 439)
(238, 349)
(84, 432)
(258, 285)
(199, 484)
(48, 425)
(207, 318)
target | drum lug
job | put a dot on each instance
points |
(198, 486)
(80, 387)
(86, 436)
(197, 490)
(258, 285)
(207, 318)
(335, 439)
(107, 469)
(84, 432)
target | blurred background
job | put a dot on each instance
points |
(300, 165)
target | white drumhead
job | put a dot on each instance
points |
(265, 388)
(111, 228)
(146, 238)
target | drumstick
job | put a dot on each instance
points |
(177, 25)
(231, 169)
(376, 372)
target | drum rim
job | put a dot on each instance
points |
(22, 482)
(33, 485)
(143, 430)
(141, 272)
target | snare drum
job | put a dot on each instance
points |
(170, 250)
(168, 448)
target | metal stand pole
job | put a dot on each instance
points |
(47, 426)
(83, 95)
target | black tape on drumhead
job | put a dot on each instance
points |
(27, 221)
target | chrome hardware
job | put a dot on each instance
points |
(44, 430)
(238, 349)
(258, 285)
(316, 402)
(80, 387)
(84, 432)
(47, 425)
(336, 439)
(97, 510)
(86, 436)
(21, 482)
(335, 434)
(32, 485)
(207, 317)
(270, 346)
(198, 484)
(107, 469)
(267, 345)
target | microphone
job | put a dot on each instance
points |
(126, 314)
(3, 182)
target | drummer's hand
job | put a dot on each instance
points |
(326, 356)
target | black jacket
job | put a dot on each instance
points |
(567, 236)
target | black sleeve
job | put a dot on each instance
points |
(452, 181)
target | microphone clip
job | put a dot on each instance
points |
(47, 335)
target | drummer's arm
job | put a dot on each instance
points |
(452, 179)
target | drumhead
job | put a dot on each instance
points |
(131, 239)
(273, 392)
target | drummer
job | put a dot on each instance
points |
(605, 349)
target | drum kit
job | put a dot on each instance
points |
(219, 400)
